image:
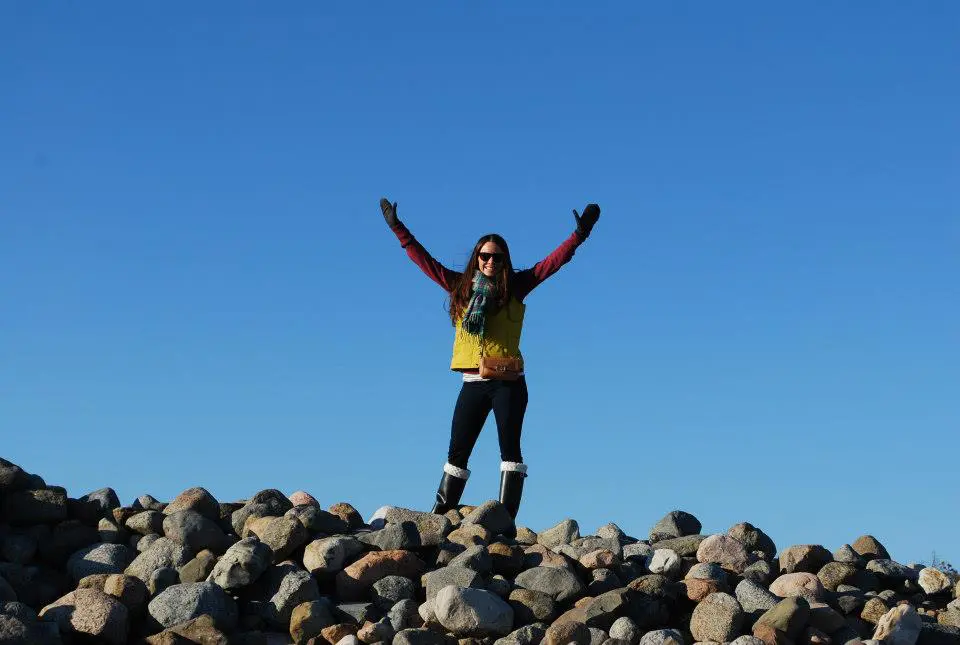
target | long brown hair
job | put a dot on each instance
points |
(460, 295)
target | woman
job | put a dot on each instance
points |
(486, 308)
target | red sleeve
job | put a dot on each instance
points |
(440, 274)
(525, 281)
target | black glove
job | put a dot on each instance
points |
(389, 212)
(586, 221)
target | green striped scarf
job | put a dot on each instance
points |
(482, 296)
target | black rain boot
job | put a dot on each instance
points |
(512, 475)
(451, 488)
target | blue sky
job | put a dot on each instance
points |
(200, 289)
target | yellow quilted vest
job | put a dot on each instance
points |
(502, 337)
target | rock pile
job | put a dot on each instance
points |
(279, 569)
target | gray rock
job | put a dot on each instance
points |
(760, 572)
(103, 500)
(34, 585)
(12, 477)
(28, 507)
(493, 516)
(284, 587)
(164, 552)
(197, 499)
(329, 555)
(637, 551)
(392, 537)
(17, 631)
(476, 558)
(284, 535)
(750, 640)
(437, 579)
(662, 637)
(110, 531)
(614, 532)
(90, 615)
(318, 521)
(431, 528)
(390, 590)
(531, 606)
(891, 571)
(195, 531)
(146, 541)
(65, 539)
(7, 594)
(271, 508)
(180, 603)
(149, 503)
(18, 610)
(99, 558)
(664, 562)
(198, 569)
(162, 579)
(19, 548)
(847, 555)
(526, 635)
(718, 617)
(625, 629)
(754, 598)
(420, 636)
(404, 614)
(597, 636)
(499, 585)
(673, 525)
(603, 580)
(146, 523)
(753, 539)
(356, 612)
(466, 611)
(560, 584)
(563, 533)
(592, 543)
(936, 634)
(706, 571)
(685, 546)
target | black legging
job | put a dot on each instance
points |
(507, 399)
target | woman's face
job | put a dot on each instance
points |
(490, 259)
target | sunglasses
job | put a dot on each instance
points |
(486, 257)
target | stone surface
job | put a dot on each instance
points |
(195, 499)
(182, 602)
(90, 613)
(675, 524)
(869, 548)
(99, 558)
(560, 584)
(466, 611)
(724, 550)
(718, 617)
(797, 584)
(899, 626)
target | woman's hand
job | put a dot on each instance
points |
(390, 212)
(585, 222)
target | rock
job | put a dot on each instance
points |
(393, 537)
(662, 637)
(890, 571)
(675, 524)
(18, 547)
(354, 582)
(934, 581)
(164, 552)
(746, 640)
(798, 584)
(146, 523)
(804, 558)
(242, 564)
(599, 559)
(90, 613)
(202, 629)
(302, 498)
(431, 528)
(195, 499)
(283, 535)
(436, 580)
(899, 626)
(685, 546)
(390, 590)
(317, 520)
(161, 579)
(699, 588)
(530, 606)
(847, 555)
(99, 558)
(131, 592)
(566, 633)
(338, 633)
(198, 569)
(760, 572)
(356, 612)
(934, 634)
(28, 507)
(309, 619)
(869, 548)
(348, 514)
(873, 610)
(665, 562)
(526, 635)
(718, 617)
(625, 629)
(637, 551)
(833, 574)
(754, 598)
(12, 477)
(753, 539)
(538, 555)
(789, 616)
(506, 559)
(419, 636)
(493, 516)
(180, 603)
(476, 558)
(109, 531)
(726, 551)
(470, 535)
(195, 531)
(560, 584)
(564, 532)
(404, 615)
(283, 587)
(466, 611)
(825, 618)
(65, 539)
(328, 555)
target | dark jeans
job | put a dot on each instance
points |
(507, 399)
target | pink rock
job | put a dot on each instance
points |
(92, 613)
(798, 584)
(300, 498)
(725, 551)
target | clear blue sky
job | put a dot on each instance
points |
(199, 288)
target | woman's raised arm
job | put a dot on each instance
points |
(440, 274)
